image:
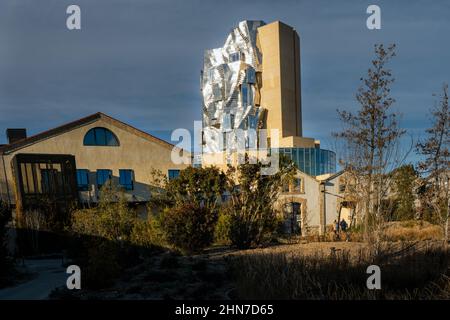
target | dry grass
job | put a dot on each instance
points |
(412, 231)
(407, 273)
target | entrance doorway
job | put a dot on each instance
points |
(292, 214)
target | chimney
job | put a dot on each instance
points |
(14, 135)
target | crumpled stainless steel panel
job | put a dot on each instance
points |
(229, 85)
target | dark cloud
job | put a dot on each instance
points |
(140, 60)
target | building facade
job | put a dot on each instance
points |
(72, 162)
(311, 205)
(252, 83)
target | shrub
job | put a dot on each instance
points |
(223, 226)
(102, 266)
(6, 264)
(110, 238)
(247, 230)
(189, 227)
(253, 195)
(147, 234)
(201, 186)
(112, 220)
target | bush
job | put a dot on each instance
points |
(223, 226)
(102, 266)
(110, 220)
(189, 227)
(147, 234)
(253, 195)
(248, 230)
(110, 238)
(6, 264)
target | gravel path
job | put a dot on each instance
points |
(49, 275)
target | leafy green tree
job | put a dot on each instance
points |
(252, 197)
(404, 179)
(190, 205)
(201, 186)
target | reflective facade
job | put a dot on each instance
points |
(251, 83)
(313, 161)
(230, 86)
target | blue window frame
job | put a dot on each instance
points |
(83, 179)
(235, 56)
(251, 75)
(252, 122)
(103, 176)
(126, 179)
(244, 95)
(173, 173)
(100, 137)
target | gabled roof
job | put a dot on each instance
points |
(5, 149)
(337, 174)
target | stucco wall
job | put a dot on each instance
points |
(280, 92)
(135, 152)
(308, 198)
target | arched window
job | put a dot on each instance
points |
(100, 137)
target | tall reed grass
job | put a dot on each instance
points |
(408, 273)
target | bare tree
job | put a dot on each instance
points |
(372, 141)
(436, 164)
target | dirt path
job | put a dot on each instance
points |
(49, 275)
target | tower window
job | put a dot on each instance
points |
(251, 76)
(211, 74)
(244, 94)
(235, 56)
(217, 92)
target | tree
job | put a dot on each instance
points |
(190, 204)
(371, 137)
(436, 164)
(201, 186)
(252, 199)
(404, 179)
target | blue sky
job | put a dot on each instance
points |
(139, 61)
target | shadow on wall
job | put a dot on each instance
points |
(134, 192)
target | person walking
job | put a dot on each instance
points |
(343, 225)
(336, 229)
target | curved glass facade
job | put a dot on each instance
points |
(313, 161)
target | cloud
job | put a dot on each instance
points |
(140, 61)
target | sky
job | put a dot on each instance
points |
(140, 60)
